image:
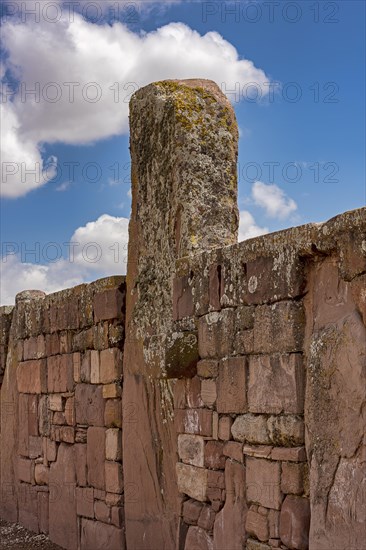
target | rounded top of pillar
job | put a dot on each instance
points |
(27, 295)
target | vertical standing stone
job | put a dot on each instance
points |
(184, 200)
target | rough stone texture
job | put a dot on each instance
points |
(229, 525)
(95, 535)
(251, 428)
(263, 482)
(294, 522)
(192, 481)
(197, 538)
(191, 449)
(231, 386)
(95, 457)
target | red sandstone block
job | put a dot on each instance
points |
(259, 451)
(234, 450)
(207, 518)
(293, 454)
(225, 423)
(257, 525)
(25, 470)
(263, 482)
(60, 370)
(213, 331)
(113, 413)
(83, 340)
(208, 392)
(110, 365)
(101, 511)
(117, 516)
(89, 405)
(208, 368)
(191, 511)
(52, 344)
(214, 287)
(32, 376)
(34, 347)
(65, 342)
(58, 418)
(113, 477)
(191, 449)
(182, 298)
(95, 534)
(41, 474)
(295, 522)
(35, 446)
(67, 434)
(274, 524)
(70, 411)
(193, 395)
(43, 513)
(96, 457)
(292, 478)
(51, 449)
(231, 385)
(80, 464)
(279, 327)
(194, 421)
(214, 457)
(216, 479)
(108, 305)
(85, 502)
(180, 394)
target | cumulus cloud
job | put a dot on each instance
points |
(98, 249)
(83, 83)
(248, 227)
(273, 199)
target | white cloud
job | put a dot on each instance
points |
(77, 62)
(273, 199)
(248, 227)
(98, 249)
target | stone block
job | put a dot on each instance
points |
(58, 418)
(231, 385)
(198, 538)
(52, 344)
(295, 522)
(194, 421)
(108, 305)
(94, 367)
(276, 384)
(96, 457)
(263, 482)
(251, 428)
(286, 430)
(67, 434)
(113, 477)
(34, 348)
(214, 457)
(41, 474)
(216, 479)
(44, 416)
(85, 367)
(110, 365)
(113, 413)
(279, 328)
(95, 534)
(70, 411)
(89, 405)
(193, 393)
(85, 502)
(252, 544)
(179, 393)
(65, 342)
(292, 478)
(244, 342)
(257, 525)
(208, 392)
(28, 508)
(274, 524)
(113, 444)
(213, 329)
(100, 335)
(25, 470)
(295, 454)
(191, 511)
(55, 402)
(259, 451)
(32, 376)
(51, 450)
(117, 516)
(43, 512)
(101, 511)
(81, 464)
(192, 481)
(76, 358)
(191, 449)
(206, 519)
(208, 368)
(112, 391)
(225, 423)
(35, 446)
(60, 373)
(234, 450)
(83, 340)
(182, 298)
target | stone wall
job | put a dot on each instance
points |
(61, 471)
(243, 367)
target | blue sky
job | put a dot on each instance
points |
(301, 150)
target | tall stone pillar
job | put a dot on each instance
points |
(184, 200)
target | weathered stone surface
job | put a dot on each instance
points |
(183, 305)
(234, 450)
(81, 464)
(251, 428)
(229, 531)
(192, 481)
(263, 482)
(60, 373)
(279, 328)
(62, 504)
(292, 478)
(231, 385)
(198, 538)
(191, 511)
(101, 511)
(207, 518)
(214, 456)
(113, 444)
(32, 376)
(110, 365)
(225, 423)
(96, 457)
(193, 393)
(108, 305)
(41, 474)
(25, 470)
(286, 430)
(208, 368)
(113, 477)
(85, 502)
(194, 421)
(276, 384)
(43, 512)
(257, 525)
(112, 413)
(296, 454)
(208, 392)
(95, 534)
(213, 329)
(191, 449)
(89, 405)
(295, 522)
